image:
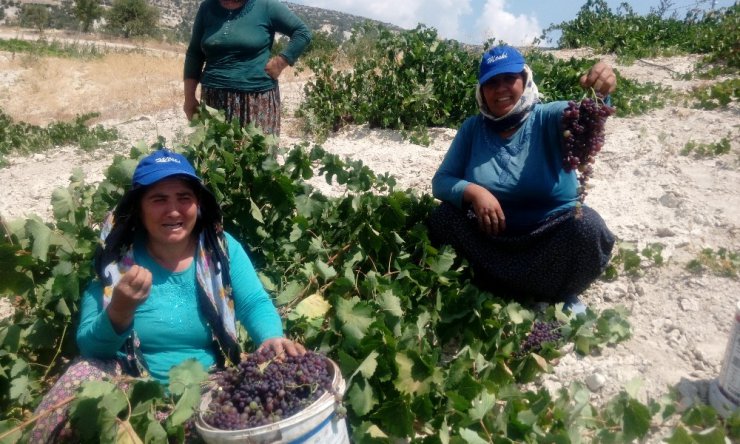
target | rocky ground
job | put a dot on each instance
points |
(646, 191)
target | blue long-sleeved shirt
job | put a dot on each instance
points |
(235, 45)
(524, 172)
(169, 324)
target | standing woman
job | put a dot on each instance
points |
(229, 55)
(508, 205)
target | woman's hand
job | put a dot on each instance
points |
(191, 103)
(190, 107)
(283, 346)
(491, 218)
(275, 66)
(601, 78)
(130, 292)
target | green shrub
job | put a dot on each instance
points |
(412, 80)
(132, 18)
(627, 34)
(720, 263)
(23, 138)
(702, 150)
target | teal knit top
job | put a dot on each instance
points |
(234, 45)
(169, 324)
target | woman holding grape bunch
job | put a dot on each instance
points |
(170, 286)
(509, 190)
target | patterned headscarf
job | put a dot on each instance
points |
(530, 97)
(215, 299)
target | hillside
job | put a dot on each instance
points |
(179, 14)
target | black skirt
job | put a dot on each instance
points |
(554, 261)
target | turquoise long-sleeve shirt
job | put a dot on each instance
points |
(524, 171)
(234, 45)
(169, 324)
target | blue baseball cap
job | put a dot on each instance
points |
(162, 164)
(502, 59)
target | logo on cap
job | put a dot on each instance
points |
(495, 58)
(166, 160)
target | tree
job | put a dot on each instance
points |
(36, 16)
(87, 11)
(132, 18)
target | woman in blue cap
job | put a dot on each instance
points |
(508, 206)
(170, 286)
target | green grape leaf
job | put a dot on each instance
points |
(189, 373)
(314, 306)
(324, 270)
(155, 434)
(63, 205)
(289, 293)
(10, 438)
(41, 237)
(636, 420)
(355, 316)
(481, 405)
(390, 303)
(114, 402)
(186, 406)
(472, 437)
(19, 387)
(96, 389)
(394, 416)
(362, 400)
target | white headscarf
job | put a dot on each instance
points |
(521, 110)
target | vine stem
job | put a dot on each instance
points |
(338, 253)
(134, 437)
(56, 354)
(6, 230)
(35, 418)
(488, 434)
(302, 293)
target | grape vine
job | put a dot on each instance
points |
(355, 276)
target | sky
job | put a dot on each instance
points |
(516, 22)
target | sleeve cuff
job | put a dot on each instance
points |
(105, 327)
(287, 59)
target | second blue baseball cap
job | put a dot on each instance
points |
(502, 59)
(159, 165)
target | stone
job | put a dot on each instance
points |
(595, 382)
(665, 232)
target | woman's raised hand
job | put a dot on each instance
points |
(601, 78)
(130, 292)
(283, 346)
(491, 219)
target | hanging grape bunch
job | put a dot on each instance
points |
(262, 389)
(584, 124)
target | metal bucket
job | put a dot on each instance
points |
(316, 424)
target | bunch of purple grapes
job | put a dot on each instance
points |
(263, 389)
(542, 332)
(583, 134)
